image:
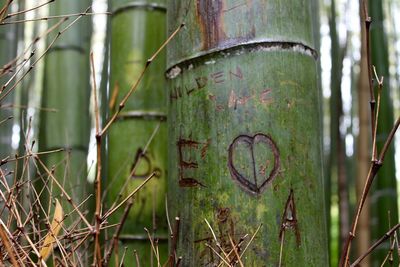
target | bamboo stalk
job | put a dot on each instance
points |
(244, 145)
(137, 138)
(66, 89)
(383, 193)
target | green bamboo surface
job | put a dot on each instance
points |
(23, 90)
(244, 132)
(384, 192)
(137, 31)
(337, 161)
(8, 51)
(64, 118)
(335, 112)
(8, 44)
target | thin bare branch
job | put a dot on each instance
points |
(135, 85)
(27, 10)
(54, 17)
(386, 236)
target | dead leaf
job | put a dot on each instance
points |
(51, 236)
(114, 96)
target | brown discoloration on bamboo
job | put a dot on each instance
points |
(216, 78)
(144, 158)
(205, 148)
(256, 186)
(223, 245)
(223, 214)
(201, 82)
(289, 219)
(174, 241)
(234, 100)
(114, 97)
(226, 228)
(209, 15)
(190, 164)
(265, 96)
(189, 182)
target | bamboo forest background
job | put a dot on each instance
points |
(69, 55)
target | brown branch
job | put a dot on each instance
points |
(111, 211)
(235, 251)
(114, 242)
(375, 245)
(6, 119)
(389, 141)
(34, 41)
(136, 258)
(375, 163)
(380, 87)
(372, 102)
(154, 247)
(66, 195)
(54, 17)
(389, 255)
(97, 183)
(123, 257)
(373, 170)
(27, 10)
(4, 9)
(5, 94)
(174, 241)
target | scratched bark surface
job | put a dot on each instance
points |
(137, 30)
(244, 132)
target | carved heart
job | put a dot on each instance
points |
(253, 161)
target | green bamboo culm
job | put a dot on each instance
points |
(64, 120)
(338, 173)
(8, 44)
(23, 89)
(8, 51)
(137, 31)
(384, 193)
(244, 134)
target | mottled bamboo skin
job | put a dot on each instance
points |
(244, 132)
(66, 90)
(137, 30)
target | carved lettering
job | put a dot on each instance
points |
(142, 166)
(176, 92)
(185, 164)
(289, 219)
(218, 77)
(238, 74)
(265, 96)
(234, 100)
(201, 82)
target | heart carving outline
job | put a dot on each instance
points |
(238, 177)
